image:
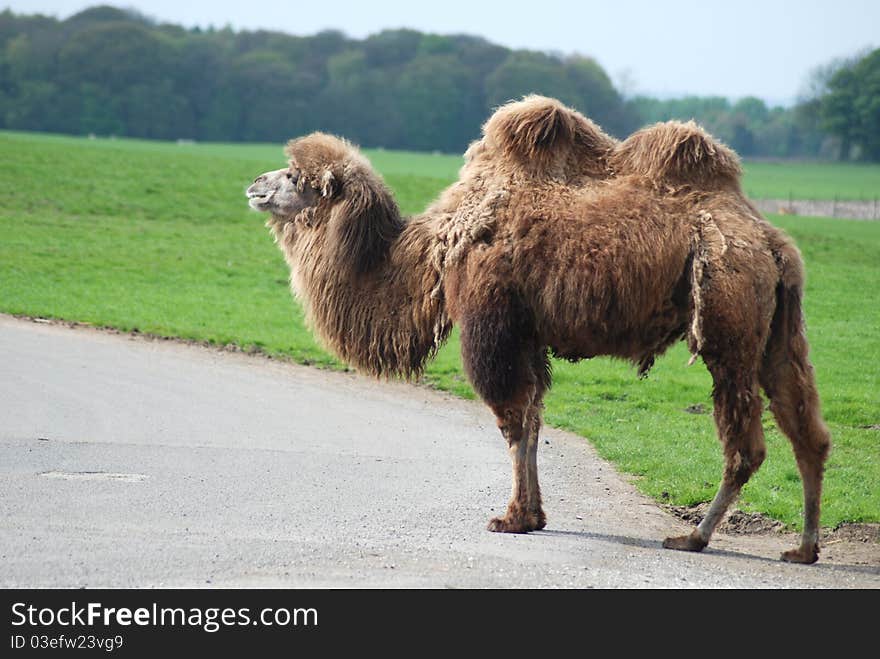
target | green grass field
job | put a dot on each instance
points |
(812, 180)
(763, 180)
(158, 237)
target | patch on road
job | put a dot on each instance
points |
(95, 476)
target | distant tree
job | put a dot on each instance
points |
(108, 14)
(436, 44)
(704, 109)
(526, 72)
(741, 125)
(437, 110)
(30, 57)
(356, 101)
(838, 109)
(108, 70)
(478, 56)
(597, 97)
(97, 112)
(753, 110)
(327, 43)
(850, 109)
(868, 106)
(265, 90)
(391, 48)
(35, 108)
(202, 75)
(114, 54)
(748, 125)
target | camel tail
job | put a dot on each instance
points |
(788, 339)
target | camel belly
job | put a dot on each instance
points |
(627, 313)
(584, 297)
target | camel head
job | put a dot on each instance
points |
(330, 193)
(280, 193)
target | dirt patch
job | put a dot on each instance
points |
(739, 522)
(848, 532)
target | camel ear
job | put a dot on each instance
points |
(328, 184)
(366, 221)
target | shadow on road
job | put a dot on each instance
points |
(657, 544)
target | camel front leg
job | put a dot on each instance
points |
(509, 372)
(520, 516)
(533, 428)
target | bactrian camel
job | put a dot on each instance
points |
(557, 239)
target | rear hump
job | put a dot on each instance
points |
(677, 154)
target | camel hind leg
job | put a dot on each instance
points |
(733, 302)
(787, 378)
(738, 419)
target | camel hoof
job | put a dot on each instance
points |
(692, 542)
(509, 525)
(541, 521)
(805, 555)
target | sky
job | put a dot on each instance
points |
(667, 48)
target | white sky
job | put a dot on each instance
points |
(730, 48)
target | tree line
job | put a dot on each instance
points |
(109, 71)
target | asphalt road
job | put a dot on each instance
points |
(131, 462)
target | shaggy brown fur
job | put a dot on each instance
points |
(357, 267)
(557, 239)
(678, 154)
(544, 138)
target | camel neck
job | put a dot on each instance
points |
(386, 322)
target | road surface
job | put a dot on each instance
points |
(129, 462)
